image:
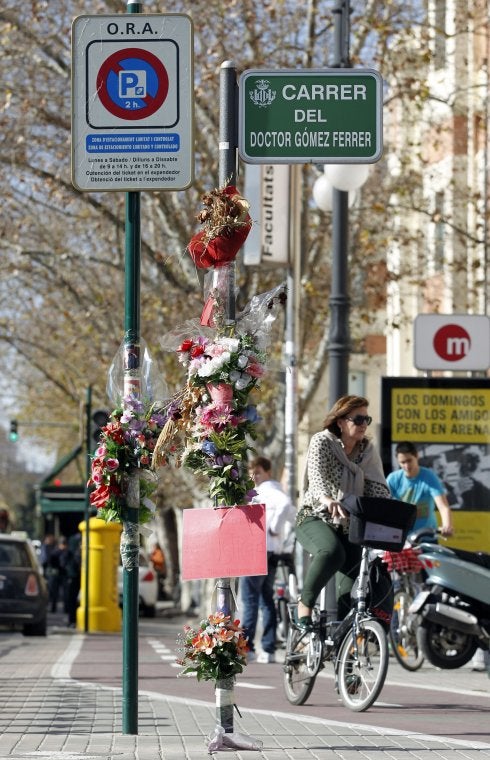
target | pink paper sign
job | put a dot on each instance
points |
(224, 543)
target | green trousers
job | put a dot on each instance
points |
(331, 554)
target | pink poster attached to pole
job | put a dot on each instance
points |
(224, 543)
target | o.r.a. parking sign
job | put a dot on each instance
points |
(132, 107)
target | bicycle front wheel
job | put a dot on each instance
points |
(403, 634)
(362, 665)
(301, 665)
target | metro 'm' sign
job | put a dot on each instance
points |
(452, 342)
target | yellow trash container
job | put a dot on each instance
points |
(104, 614)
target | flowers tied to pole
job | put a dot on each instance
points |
(226, 224)
(215, 650)
(214, 412)
(126, 445)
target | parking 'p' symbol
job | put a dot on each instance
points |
(132, 84)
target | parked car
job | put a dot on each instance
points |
(23, 590)
(148, 585)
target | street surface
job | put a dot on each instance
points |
(447, 703)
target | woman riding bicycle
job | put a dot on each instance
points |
(341, 460)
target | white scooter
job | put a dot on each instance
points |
(452, 613)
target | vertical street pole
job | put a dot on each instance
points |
(339, 335)
(88, 417)
(290, 407)
(132, 384)
(228, 144)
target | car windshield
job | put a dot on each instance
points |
(14, 554)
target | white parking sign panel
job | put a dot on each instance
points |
(132, 108)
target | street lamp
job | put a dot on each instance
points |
(344, 179)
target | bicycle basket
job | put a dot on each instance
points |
(378, 522)
(405, 561)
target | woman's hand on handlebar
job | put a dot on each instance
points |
(336, 510)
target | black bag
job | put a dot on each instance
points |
(379, 523)
(380, 596)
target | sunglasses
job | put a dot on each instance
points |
(360, 419)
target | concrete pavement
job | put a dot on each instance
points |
(45, 713)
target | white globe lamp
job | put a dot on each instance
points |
(346, 177)
(323, 194)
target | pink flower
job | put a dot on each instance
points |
(217, 416)
(221, 393)
(255, 369)
(112, 464)
(97, 475)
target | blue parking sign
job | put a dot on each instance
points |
(132, 83)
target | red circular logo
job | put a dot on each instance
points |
(452, 343)
(132, 84)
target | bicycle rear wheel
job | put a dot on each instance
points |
(301, 665)
(403, 635)
(362, 666)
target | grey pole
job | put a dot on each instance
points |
(228, 144)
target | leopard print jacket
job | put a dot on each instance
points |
(325, 475)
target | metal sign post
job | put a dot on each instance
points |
(227, 176)
(132, 130)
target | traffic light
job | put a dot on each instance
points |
(14, 434)
(99, 419)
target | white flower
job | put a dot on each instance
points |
(213, 365)
(242, 361)
(242, 382)
(231, 344)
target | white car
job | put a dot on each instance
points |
(148, 585)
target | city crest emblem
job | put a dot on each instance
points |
(262, 96)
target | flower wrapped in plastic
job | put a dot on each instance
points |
(215, 651)
(126, 445)
(226, 224)
(215, 412)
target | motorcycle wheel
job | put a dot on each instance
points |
(362, 666)
(403, 637)
(301, 665)
(444, 647)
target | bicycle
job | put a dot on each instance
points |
(357, 646)
(404, 568)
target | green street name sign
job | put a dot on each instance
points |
(310, 116)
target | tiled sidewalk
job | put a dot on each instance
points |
(46, 714)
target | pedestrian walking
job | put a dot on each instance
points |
(73, 567)
(341, 460)
(420, 486)
(56, 574)
(257, 591)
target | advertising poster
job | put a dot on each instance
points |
(448, 420)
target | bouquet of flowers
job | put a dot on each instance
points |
(226, 224)
(214, 651)
(127, 443)
(214, 410)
